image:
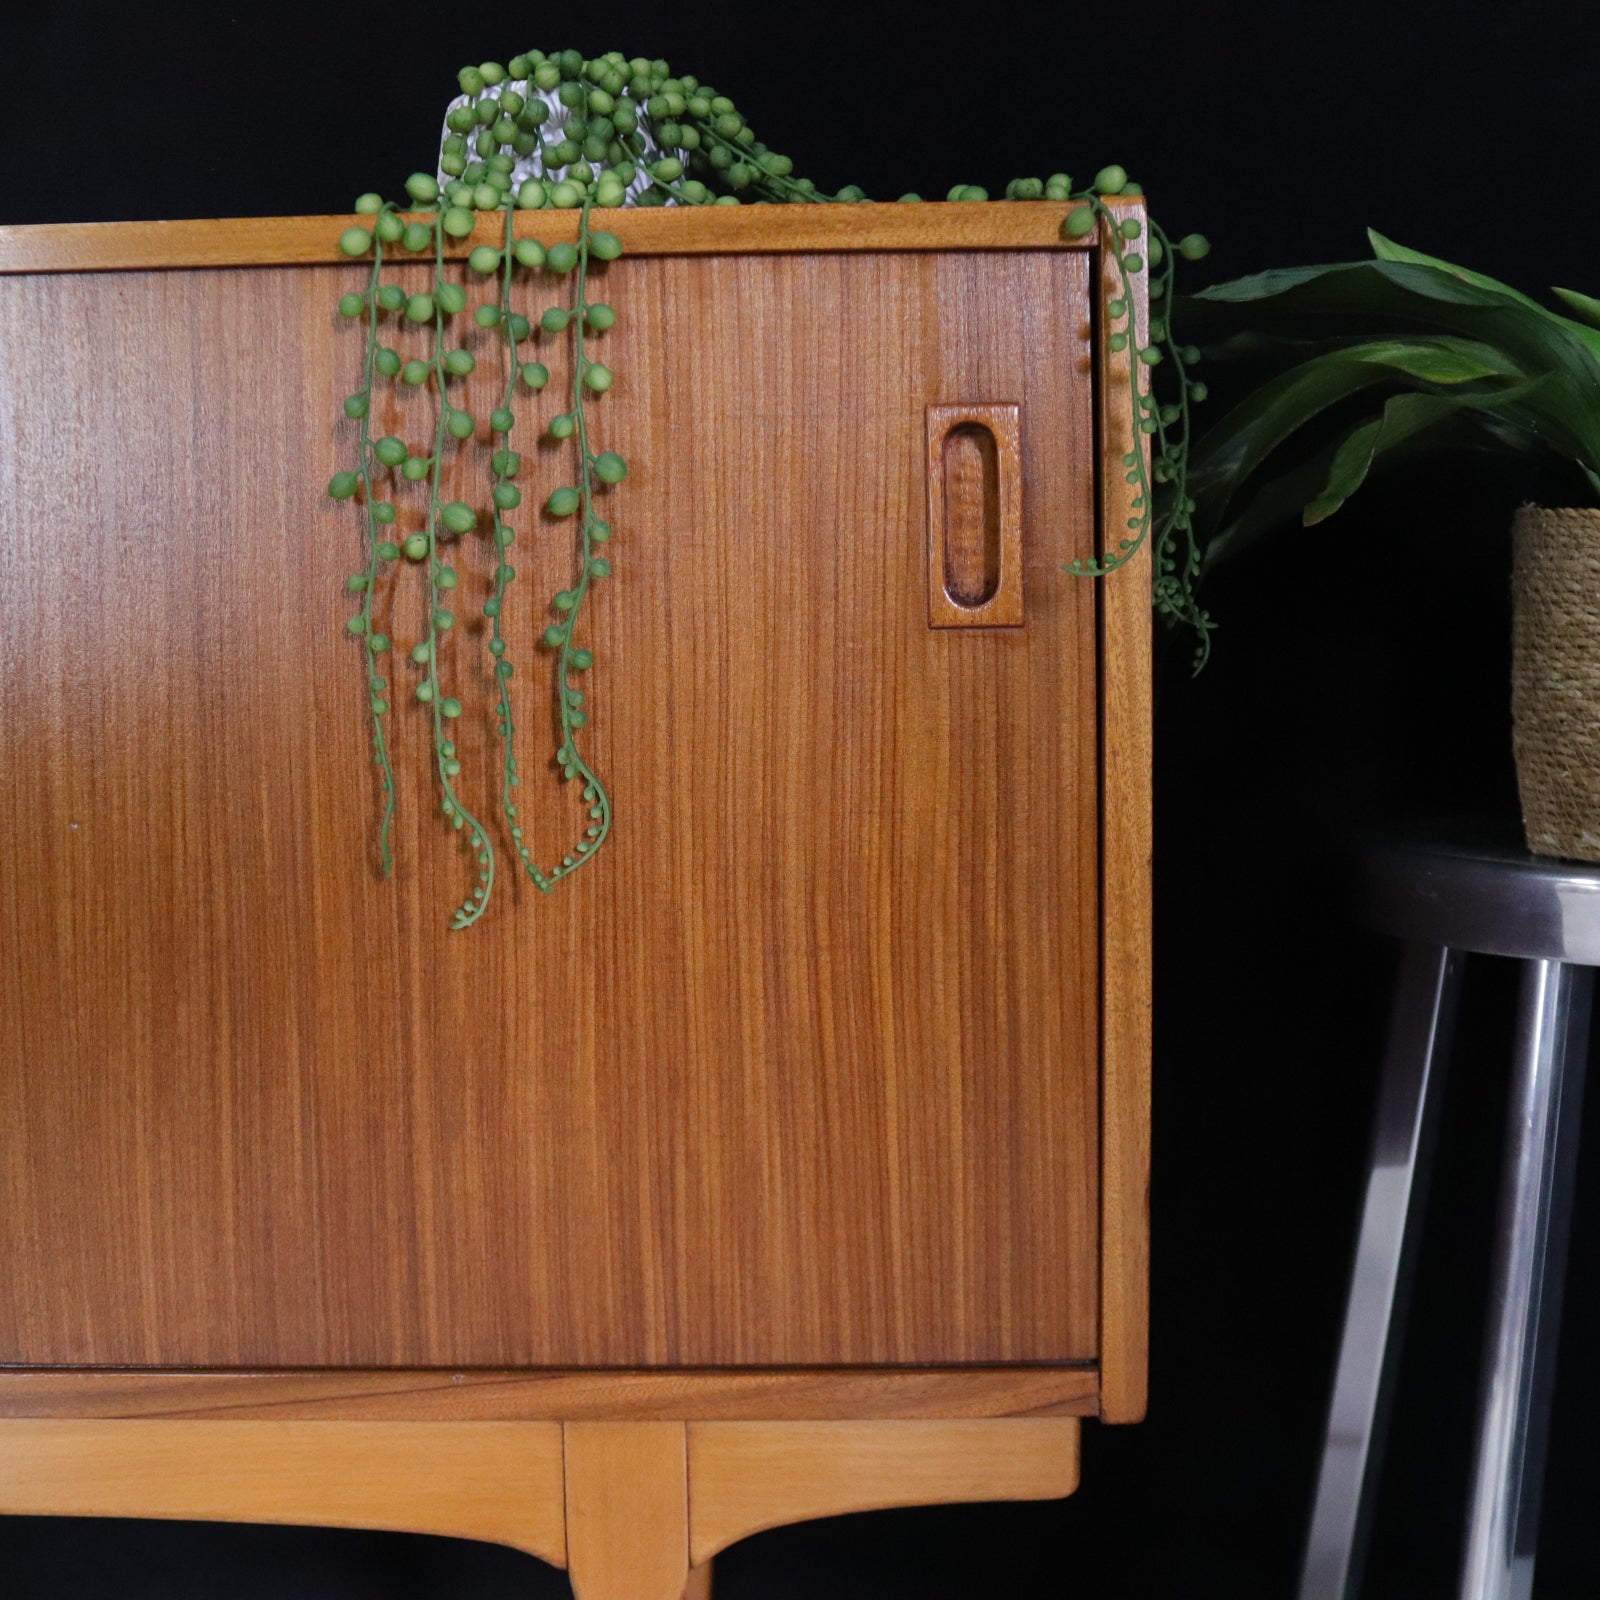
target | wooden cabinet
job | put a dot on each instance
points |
(817, 1099)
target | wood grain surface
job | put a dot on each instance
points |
(1125, 873)
(807, 1394)
(803, 1069)
(499, 1481)
(667, 230)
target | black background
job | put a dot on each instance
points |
(1360, 675)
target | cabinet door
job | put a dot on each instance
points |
(801, 1068)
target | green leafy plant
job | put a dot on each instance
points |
(565, 132)
(1378, 361)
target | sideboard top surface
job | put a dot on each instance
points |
(648, 231)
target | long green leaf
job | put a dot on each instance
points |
(1241, 441)
(1357, 291)
(1281, 500)
(1402, 416)
(1388, 250)
(1361, 299)
(1358, 287)
(1585, 305)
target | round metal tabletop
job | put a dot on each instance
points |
(1475, 886)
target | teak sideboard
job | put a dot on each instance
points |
(792, 1157)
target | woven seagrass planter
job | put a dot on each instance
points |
(1555, 679)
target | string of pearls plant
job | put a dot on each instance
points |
(567, 133)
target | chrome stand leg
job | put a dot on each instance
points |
(1369, 1349)
(1525, 1291)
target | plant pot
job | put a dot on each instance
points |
(1555, 679)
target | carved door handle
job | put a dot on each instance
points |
(975, 515)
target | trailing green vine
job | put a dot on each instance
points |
(1169, 528)
(567, 133)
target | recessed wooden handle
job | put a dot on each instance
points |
(975, 515)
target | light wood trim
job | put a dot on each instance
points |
(710, 230)
(429, 1395)
(627, 1492)
(1003, 609)
(496, 1481)
(1125, 886)
(746, 1476)
(636, 1510)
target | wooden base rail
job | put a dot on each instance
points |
(443, 1395)
(633, 1510)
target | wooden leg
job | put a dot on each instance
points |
(699, 1582)
(627, 1487)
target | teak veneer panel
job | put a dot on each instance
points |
(802, 1070)
(686, 1396)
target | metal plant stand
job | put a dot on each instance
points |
(1450, 892)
